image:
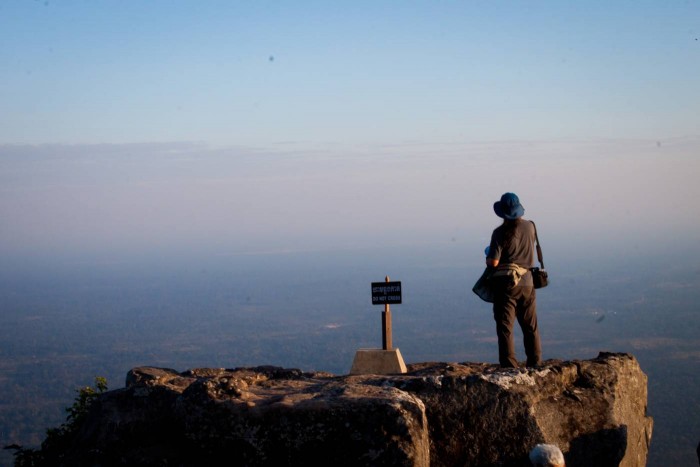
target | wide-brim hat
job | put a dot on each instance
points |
(509, 207)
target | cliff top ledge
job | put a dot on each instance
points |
(436, 414)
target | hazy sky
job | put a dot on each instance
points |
(250, 126)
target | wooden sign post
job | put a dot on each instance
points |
(386, 328)
(385, 293)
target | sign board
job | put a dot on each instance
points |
(386, 293)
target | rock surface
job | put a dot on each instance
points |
(438, 414)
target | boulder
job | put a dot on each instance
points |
(436, 414)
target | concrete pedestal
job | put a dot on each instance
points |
(378, 362)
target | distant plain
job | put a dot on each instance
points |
(62, 325)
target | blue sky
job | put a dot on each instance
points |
(259, 73)
(255, 126)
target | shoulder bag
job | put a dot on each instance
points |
(483, 287)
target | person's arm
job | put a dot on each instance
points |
(494, 252)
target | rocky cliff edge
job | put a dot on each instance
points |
(437, 414)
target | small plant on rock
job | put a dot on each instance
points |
(57, 439)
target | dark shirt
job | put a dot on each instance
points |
(520, 251)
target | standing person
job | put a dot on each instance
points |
(512, 253)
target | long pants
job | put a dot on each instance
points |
(509, 304)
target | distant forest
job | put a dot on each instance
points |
(59, 331)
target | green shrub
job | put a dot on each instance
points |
(58, 439)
